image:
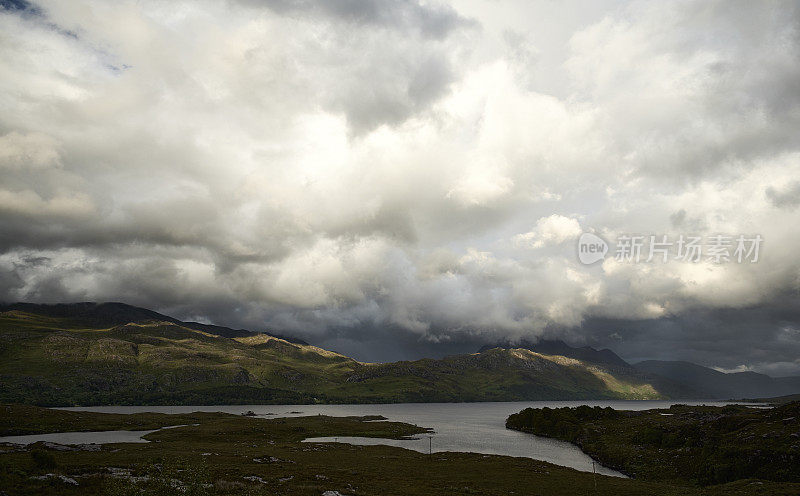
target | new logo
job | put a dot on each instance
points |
(591, 248)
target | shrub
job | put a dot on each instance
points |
(43, 459)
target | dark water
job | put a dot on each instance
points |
(473, 427)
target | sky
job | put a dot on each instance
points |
(395, 179)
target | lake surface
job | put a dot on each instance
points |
(101, 437)
(85, 437)
(473, 427)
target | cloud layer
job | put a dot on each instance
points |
(407, 172)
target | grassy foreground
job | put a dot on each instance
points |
(228, 454)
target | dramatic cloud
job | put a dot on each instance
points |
(396, 178)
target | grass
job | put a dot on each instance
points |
(694, 446)
(17, 420)
(58, 361)
(227, 454)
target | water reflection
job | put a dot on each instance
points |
(466, 427)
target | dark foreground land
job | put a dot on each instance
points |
(689, 445)
(228, 454)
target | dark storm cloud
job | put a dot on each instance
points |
(20, 6)
(762, 338)
(435, 21)
(387, 178)
(389, 85)
(787, 197)
(424, 80)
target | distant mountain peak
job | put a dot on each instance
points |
(559, 347)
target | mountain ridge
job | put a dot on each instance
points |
(88, 354)
(558, 347)
(111, 313)
(113, 353)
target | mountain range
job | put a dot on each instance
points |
(113, 353)
(712, 383)
(698, 381)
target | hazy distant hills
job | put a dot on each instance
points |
(714, 384)
(87, 353)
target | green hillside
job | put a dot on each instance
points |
(59, 359)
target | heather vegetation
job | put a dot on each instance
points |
(219, 454)
(691, 445)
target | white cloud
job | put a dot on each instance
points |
(550, 230)
(313, 167)
(32, 150)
